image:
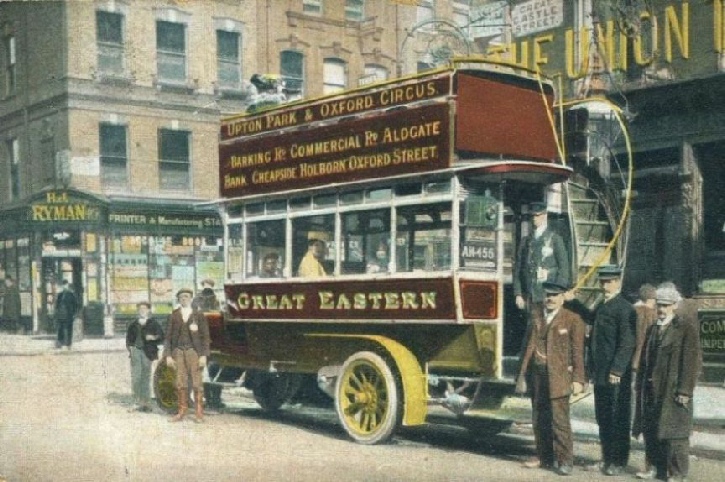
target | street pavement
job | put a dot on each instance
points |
(709, 400)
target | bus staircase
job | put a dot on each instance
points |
(596, 209)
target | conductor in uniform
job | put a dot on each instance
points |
(611, 345)
(542, 256)
(553, 363)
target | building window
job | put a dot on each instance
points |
(354, 10)
(171, 51)
(374, 73)
(334, 77)
(109, 35)
(10, 65)
(13, 147)
(312, 7)
(426, 12)
(174, 160)
(229, 65)
(292, 70)
(112, 141)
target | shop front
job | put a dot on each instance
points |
(113, 252)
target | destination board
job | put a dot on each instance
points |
(409, 141)
(339, 106)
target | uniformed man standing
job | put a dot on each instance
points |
(553, 362)
(541, 257)
(611, 345)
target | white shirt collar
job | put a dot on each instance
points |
(539, 230)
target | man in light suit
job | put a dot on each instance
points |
(187, 349)
(553, 363)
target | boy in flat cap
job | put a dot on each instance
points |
(553, 362)
(611, 345)
(143, 337)
(187, 348)
(668, 370)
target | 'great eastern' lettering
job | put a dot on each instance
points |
(327, 300)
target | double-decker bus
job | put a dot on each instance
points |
(370, 237)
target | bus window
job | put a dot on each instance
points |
(313, 246)
(265, 242)
(363, 233)
(423, 239)
(479, 247)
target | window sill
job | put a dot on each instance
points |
(174, 87)
(121, 80)
(231, 93)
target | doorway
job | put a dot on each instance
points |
(53, 271)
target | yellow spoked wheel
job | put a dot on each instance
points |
(368, 398)
(165, 387)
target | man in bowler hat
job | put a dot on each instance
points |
(553, 363)
(187, 349)
(611, 345)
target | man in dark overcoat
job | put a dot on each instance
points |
(143, 337)
(187, 349)
(611, 345)
(66, 307)
(553, 362)
(668, 371)
(11, 306)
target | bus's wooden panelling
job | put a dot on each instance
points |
(503, 119)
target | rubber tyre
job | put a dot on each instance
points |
(368, 398)
(271, 391)
(165, 387)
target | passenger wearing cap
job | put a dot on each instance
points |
(187, 349)
(611, 345)
(143, 337)
(553, 364)
(311, 264)
(206, 299)
(666, 380)
(542, 256)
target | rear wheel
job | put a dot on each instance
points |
(367, 398)
(271, 391)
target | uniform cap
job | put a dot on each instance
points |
(554, 288)
(537, 208)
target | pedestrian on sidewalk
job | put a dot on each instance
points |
(669, 367)
(611, 345)
(553, 363)
(187, 349)
(143, 337)
(11, 306)
(66, 307)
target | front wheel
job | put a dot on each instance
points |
(367, 398)
(165, 387)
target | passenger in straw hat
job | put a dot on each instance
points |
(668, 370)
(311, 264)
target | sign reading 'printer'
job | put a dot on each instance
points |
(413, 140)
